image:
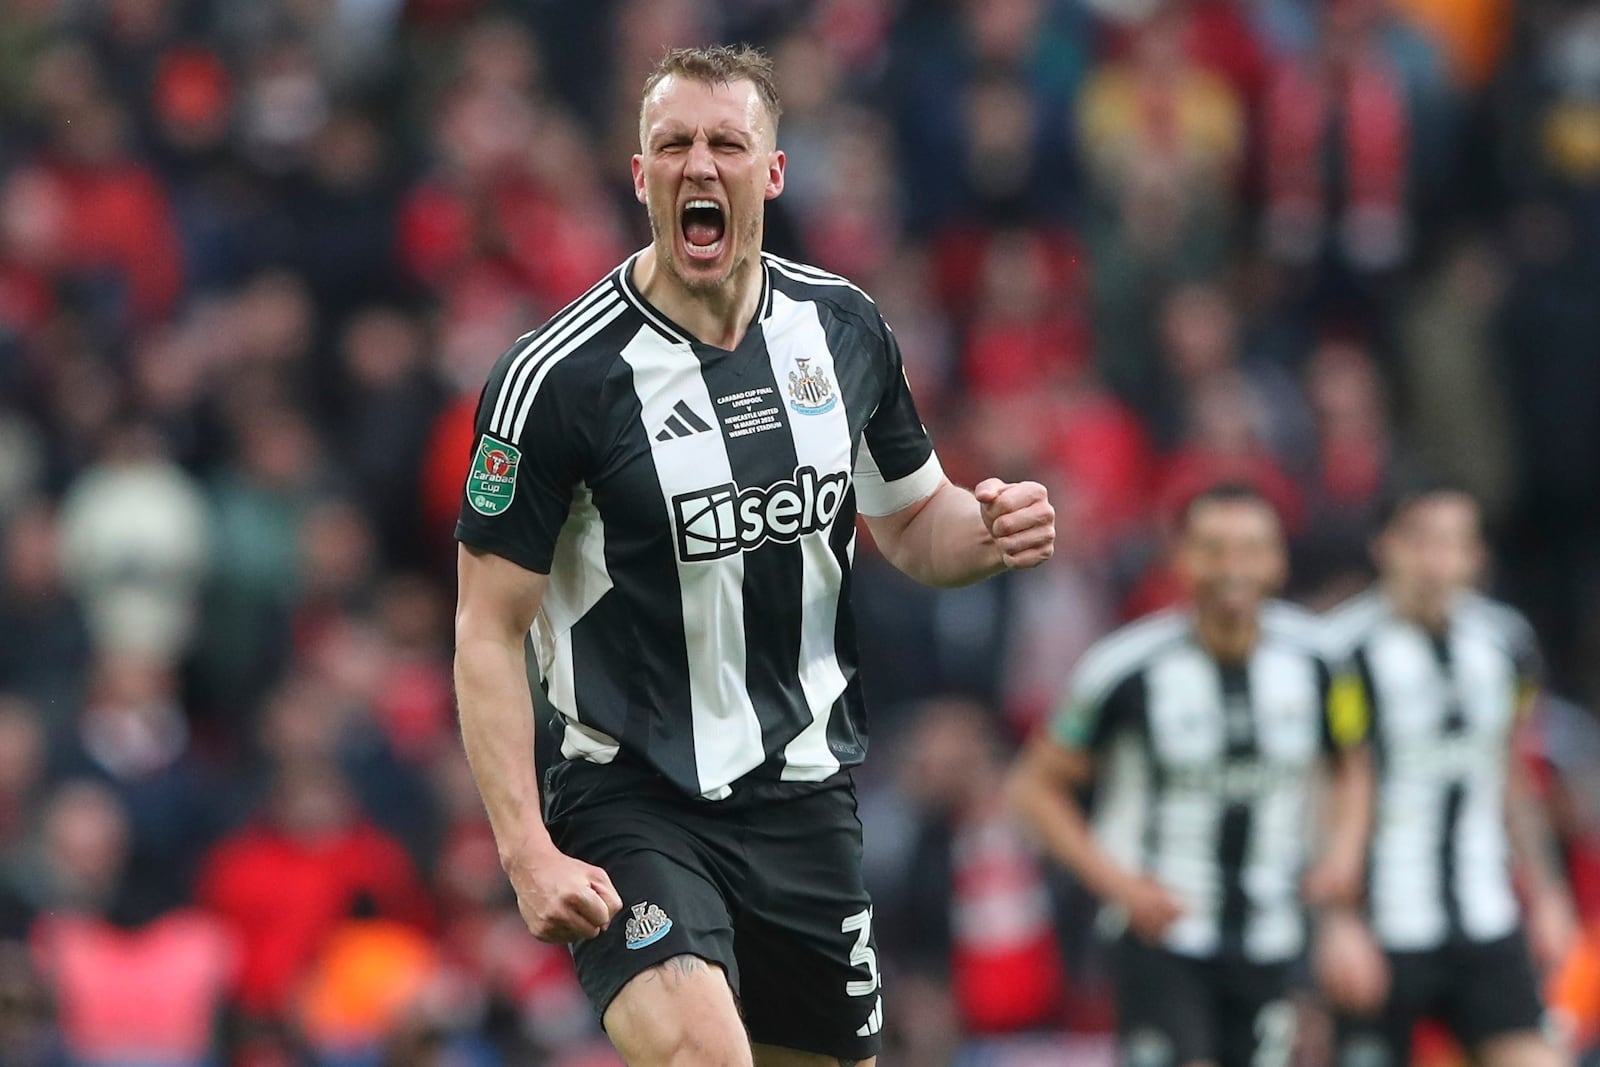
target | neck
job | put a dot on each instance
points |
(1432, 618)
(718, 316)
(1228, 638)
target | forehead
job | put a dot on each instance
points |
(677, 101)
(1442, 512)
(1243, 519)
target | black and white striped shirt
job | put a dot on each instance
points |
(1444, 707)
(695, 511)
(1204, 770)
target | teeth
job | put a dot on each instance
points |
(710, 249)
(703, 203)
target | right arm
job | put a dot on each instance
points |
(561, 898)
(1043, 789)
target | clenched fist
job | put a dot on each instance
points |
(563, 899)
(1020, 519)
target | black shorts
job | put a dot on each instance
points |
(1173, 1010)
(767, 884)
(1478, 990)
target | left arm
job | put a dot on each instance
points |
(1550, 919)
(1552, 924)
(1337, 879)
(954, 537)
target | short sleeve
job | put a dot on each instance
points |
(529, 454)
(896, 465)
(1093, 712)
(1346, 706)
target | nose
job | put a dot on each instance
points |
(701, 164)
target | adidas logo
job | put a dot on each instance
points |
(683, 422)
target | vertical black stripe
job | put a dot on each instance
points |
(1138, 705)
(847, 725)
(1452, 725)
(630, 653)
(1377, 724)
(773, 571)
(859, 385)
(1238, 815)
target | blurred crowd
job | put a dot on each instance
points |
(256, 259)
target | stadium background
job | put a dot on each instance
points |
(256, 258)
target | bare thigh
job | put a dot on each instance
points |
(1527, 1049)
(679, 1013)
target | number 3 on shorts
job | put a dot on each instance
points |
(862, 955)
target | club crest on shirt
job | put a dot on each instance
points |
(810, 391)
(492, 482)
(648, 925)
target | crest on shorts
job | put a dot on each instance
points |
(810, 392)
(492, 481)
(648, 925)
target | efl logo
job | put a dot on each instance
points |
(723, 520)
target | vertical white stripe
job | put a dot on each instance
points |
(1487, 688)
(1483, 883)
(559, 328)
(1407, 909)
(578, 579)
(1286, 705)
(821, 441)
(1186, 727)
(727, 732)
(1124, 803)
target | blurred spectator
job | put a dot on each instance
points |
(284, 882)
(132, 985)
(1349, 478)
(135, 545)
(390, 401)
(28, 1031)
(1356, 129)
(988, 933)
(259, 505)
(132, 734)
(44, 642)
(23, 762)
(1454, 390)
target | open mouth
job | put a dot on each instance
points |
(703, 228)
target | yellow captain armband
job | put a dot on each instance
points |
(1348, 715)
(1527, 696)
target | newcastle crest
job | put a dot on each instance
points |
(648, 925)
(810, 392)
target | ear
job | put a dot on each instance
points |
(775, 164)
(638, 180)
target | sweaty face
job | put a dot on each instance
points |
(1233, 556)
(1433, 551)
(706, 168)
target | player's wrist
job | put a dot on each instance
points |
(529, 854)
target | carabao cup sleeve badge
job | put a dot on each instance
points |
(492, 483)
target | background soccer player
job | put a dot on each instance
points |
(1448, 675)
(664, 492)
(1203, 729)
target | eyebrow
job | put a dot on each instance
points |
(681, 129)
